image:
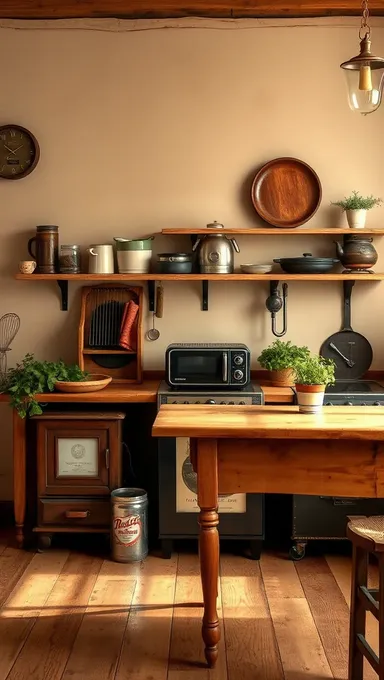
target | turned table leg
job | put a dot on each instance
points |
(19, 475)
(207, 496)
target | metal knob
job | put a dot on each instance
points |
(377, 403)
(238, 375)
(210, 401)
(238, 359)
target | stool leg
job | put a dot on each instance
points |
(357, 617)
(381, 615)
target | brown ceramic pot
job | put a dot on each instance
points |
(283, 378)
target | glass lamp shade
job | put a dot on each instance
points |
(365, 87)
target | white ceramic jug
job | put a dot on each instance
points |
(100, 259)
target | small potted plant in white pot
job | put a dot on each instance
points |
(356, 206)
(312, 375)
(279, 359)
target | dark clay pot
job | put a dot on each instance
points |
(357, 253)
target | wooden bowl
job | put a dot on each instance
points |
(95, 382)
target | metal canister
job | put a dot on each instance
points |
(129, 535)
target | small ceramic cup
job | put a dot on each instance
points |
(27, 266)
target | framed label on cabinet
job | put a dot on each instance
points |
(77, 457)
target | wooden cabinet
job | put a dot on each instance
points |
(78, 465)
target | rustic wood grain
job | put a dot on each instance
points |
(280, 577)
(278, 276)
(252, 650)
(25, 604)
(334, 468)
(46, 651)
(55, 9)
(145, 649)
(186, 655)
(269, 422)
(329, 610)
(19, 471)
(12, 565)
(102, 629)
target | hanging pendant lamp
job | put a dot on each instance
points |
(365, 72)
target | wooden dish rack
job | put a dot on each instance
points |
(102, 309)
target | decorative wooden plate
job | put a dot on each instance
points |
(286, 192)
(95, 382)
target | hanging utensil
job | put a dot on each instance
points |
(153, 333)
(351, 351)
(274, 303)
(9, 326)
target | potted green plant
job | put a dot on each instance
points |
(356, 206)
(31, 377)
(312, 375)
(279, 360)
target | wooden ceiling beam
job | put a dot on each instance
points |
(66, 9)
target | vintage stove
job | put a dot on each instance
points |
(325, 517)
(354, 393)
(241, 515)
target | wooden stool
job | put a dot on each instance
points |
(367, 536)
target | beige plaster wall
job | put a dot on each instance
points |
(164, 127)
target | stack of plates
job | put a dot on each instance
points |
(256, 268)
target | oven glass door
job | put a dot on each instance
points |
(201, 367)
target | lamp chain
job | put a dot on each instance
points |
(365, 29)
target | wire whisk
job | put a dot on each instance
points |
(9, 326)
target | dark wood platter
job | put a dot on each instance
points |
(286, 192)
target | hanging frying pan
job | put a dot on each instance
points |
(351, 351)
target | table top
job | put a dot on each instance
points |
(269, 422)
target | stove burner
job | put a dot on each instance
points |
(355, 387)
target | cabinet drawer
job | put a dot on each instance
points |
(77, 512)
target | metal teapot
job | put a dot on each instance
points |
(357, 253)
(215, 253)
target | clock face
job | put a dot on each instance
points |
(19, 152)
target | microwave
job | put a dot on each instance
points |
(208, 365)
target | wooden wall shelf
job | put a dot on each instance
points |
(274, 277)
(273, 231)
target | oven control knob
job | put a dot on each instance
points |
(377, 403)
(348, 403)
(238, 375)
(210, 401)
(238, 359)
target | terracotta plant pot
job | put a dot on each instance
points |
(356, 218)
(282, 378)
(310, 398)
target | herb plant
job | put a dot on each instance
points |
(357, 202)
(281, 355)
(31, 377)
(315, 370)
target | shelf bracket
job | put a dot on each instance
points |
(63, 285)
(151, 295)
(205, 296)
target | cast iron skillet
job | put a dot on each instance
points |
(351, 351)
(306, 264)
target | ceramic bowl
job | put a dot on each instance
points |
(256, 268)
(95, 382)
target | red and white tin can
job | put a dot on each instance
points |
(129, 534)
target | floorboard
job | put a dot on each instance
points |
(13, 563)
(146, 644)
(302, 653)
(49, 644)
(24, 604)
(252, 652)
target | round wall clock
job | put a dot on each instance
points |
(19, 152)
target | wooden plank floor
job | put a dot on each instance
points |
(73, 616)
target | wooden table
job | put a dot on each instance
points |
(271, 449)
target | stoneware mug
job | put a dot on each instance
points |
(27, 266)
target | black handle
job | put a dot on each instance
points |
(347, 288)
